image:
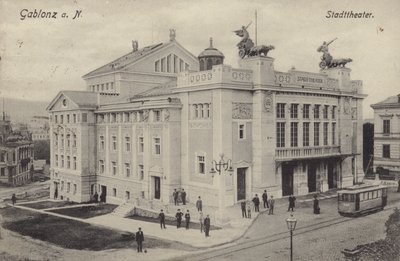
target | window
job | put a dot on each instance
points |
(101, 166)
(306, 134)
(333, 133)
(75, 188)
(386, 126)
(114, 143)
(200, 108)
(127, 144)
(325, 111)
(157, 66)
(306, 111)
(114, 167)
(62, 140)
(163, 64)
(3, 173)
(113, 117)
(84, 117)
(55, 140)
(127, 169)
(102, 142)
(333, 112)
(293, 134)
(294, 111)
(114, 192)
(141, 145)
(242, 131)
(68, 162)
(141, 172)
(55, 119)
(74, 163)
(74, 141)
(280, 134)
(74, 118)
(206, 110)
(126, 117)
(157, 146)
(316, 111)
(62, 161)
(316, 133)
(62, 186)
(61, 119)
(56, 160)
(280, 111)
(157, 115)
(68, 140)
(201, 163)
(325, 133)
(67, 118)
(386, 151)
(169, 63)
(68, 187)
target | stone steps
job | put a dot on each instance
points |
(123, 210)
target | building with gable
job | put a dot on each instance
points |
(157, 118)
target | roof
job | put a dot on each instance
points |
(163, 89)
(211, 51)
(360, 188)
(389, 102)
(83, 99)
(125, 60)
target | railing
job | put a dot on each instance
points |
(308, 152)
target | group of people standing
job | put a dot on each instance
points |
(179, 196)
(246, 207)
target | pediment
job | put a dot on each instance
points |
(62, 102)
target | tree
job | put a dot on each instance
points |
(42, 150)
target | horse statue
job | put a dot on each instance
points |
(246, 45)
(327, 60)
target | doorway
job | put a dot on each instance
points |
(332, 176)
(157, 187)
(103, 195)
(287, 179)
(312, 178)
(241, 183)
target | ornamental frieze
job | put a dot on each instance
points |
(242, 110)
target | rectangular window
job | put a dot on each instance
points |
(114, 192)
(74, 141)
(114, 167)
(62, 140)
(141, 145)
(56, 160)
(386, 151)
(101, 166)
(306, 111)
(55, 140)
(333, 112)
(74, 162)
(325, 111)
(114, 143)
(127, 144)
(157, 115)
(157, 146)
(316, 133)
(386, 126)
(333, 133)
(3, 172)
(306, 134)
(84, 117)
(126, 117)
(61, 119)
(316, 111)
(242, 131)
(102, 142)
(325, 131)
(294, 108)
(68, 140)
(280, 110)
(62, 186)
(141, 172)
(68, 187)
(280, 134)
(68, 162)
(62, 161)
(201, 163)
(67, 118)
(55, 118)
(169, 63)
(127, 169)
(75, 189)
(293, 134)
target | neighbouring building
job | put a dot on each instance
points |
(39, 128)
(387, 136)
(158, 117)
(16, 155)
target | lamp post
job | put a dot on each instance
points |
(291, 224)
(218, 167)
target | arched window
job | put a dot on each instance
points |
(209, 63)
(201, 65)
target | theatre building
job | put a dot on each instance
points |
(157, 118)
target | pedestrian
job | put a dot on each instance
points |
(96, 197)
(243, 207)
(249, 209)
(102, 198)
(161, 216)
(139, 240)
(187, 218)
(178, 216)
(207, 224)
(316, 205)
(271, 205)
(199, 205)
(13, 199)
(201, 221)
(183, 197)
(256, 202)
(292, 200)
(398, 188)
(175, 194)
(265, 199)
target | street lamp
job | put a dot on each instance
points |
(291, 224)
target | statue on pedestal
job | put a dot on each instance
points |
(327, 60)
(246, 45)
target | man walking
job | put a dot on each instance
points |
(271, 205)
(139, 240)
(175, 195)
(265, 199)
(199, 205)
(161, 216)
(207, 224)
(13, 199)
(183, 196)
(178, 216)
(243, 207)
(201, 221)
(256, 202)
(187, 218)
(292, 200)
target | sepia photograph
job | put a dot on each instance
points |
(199, 130)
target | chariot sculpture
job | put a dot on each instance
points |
(247, 47)
(327, 60)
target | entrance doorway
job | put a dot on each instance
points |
(332, 175)
(287, 179)
(241, 183)
(103, 195)
(157, 187)
(312, 178)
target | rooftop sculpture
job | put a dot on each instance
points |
(327, 60)
(246, 45)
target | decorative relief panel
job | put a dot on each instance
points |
(268, 102)
(200, 125)
(346, 105)
(241, 110)
(145, 115)
(166, 115)
(354, 113)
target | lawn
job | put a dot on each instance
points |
(69, 233)
(48, 204)
(86, 211)
(171, 223)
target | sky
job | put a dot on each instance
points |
(42, 56)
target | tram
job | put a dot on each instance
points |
(361, 199)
